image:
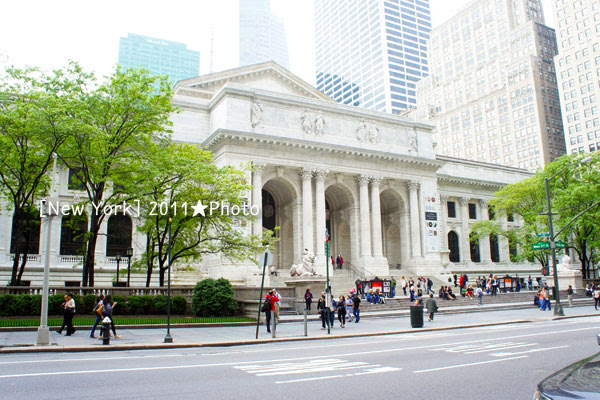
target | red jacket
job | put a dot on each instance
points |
(272, 300)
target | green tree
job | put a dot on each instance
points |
(172, 178)
(36, 111)
(117, 121)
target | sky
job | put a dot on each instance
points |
(49, 33)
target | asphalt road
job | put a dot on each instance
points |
(502, 362)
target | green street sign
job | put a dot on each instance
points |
(560, 244)
(540, 245)
(543, 234)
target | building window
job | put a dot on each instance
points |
(512, 249)
(474, 247)
(118, 235)
(76, 180)
(453, 247)
(510, 217)
(72, 235)
(28, 240)
(491, 213)
(472, 211)
(451, 205)
(494, 249)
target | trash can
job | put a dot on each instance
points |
(416, 316)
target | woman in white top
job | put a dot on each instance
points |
(68, 314)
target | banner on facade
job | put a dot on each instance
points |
(432, 223)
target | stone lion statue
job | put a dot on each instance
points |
(565, 264)
(307, 268)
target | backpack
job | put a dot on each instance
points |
(266, 305)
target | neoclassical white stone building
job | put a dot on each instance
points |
(370, 180)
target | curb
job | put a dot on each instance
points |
(158, 346)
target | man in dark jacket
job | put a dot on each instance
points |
(268, 307)
(431, 306)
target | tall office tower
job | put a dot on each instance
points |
(262, 35)
(161, 57)
(578, 72)
(492, 91)
(371, 53)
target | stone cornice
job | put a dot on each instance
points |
(468, 181)
(452, 160)
(222, 135)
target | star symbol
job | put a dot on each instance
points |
(199, 209)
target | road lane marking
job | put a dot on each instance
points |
(500, 347)
(94, 359)
(528, 351)
(468, 365)
(350, 354)
(320, 378)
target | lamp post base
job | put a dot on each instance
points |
(558, 310)
(168, 338)
(43, 337)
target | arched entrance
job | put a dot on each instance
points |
(393, 219)
(280, 208)
(340, 220)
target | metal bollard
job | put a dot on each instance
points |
(305, 322)
(106, 331)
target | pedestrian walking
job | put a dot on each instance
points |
(308, 299)
(341, 310)
(431, 306)
(68, 314)
(597, 297)
(356, 308)
(108, 309)
(268, 306)
(393, 287)
(322, 309)
(349, 304)
(480, 296)
(570, 295)
(332, 309)
(404, 285)
(98, 310)
(529, 283)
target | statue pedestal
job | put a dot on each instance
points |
(255, 280)
(570, 277)
(316, 284)
(445, 257)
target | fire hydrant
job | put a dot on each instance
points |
(106, 330)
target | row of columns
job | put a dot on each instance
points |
(371, 241)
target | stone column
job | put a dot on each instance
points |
(484, 241)
(443, 227)
(376, 218)
(307, 210)
(320, 211)
(415, 227)
(503, 245)
(257, 184)
(365, 223)
(464, 240)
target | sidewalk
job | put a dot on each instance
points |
(373, 323)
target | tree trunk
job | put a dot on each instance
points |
(149, 258)
(16, 233)
(90, 259)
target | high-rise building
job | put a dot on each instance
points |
(578, 72)
(371, 53)
(262, 34)
(492, 91)
(161, 57)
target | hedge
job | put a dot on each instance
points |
(30, 305)
(214, 298)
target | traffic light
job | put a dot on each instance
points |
(545, 270)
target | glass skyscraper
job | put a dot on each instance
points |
(262, 34)
(161, 57)
(371, 53)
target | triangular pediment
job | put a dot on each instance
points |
(268, 76)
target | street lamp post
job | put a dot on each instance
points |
(43, 337)
(328, 289)
(168, 337)
(129, 255)
(558, 309)
(118, 258)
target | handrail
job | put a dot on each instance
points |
(361, 271)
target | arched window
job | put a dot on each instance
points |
(474, 245)
(453, 246)
(72, 235)
(28, 241)
(118, 234)
(494, 250)
(269, 218)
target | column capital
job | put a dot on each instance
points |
(376, 180)
(306, 173)
(463, 201)
(363, 179)
(258, 167)
(320, 174)
(443, 198)
(483, 203)
(413, 185)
